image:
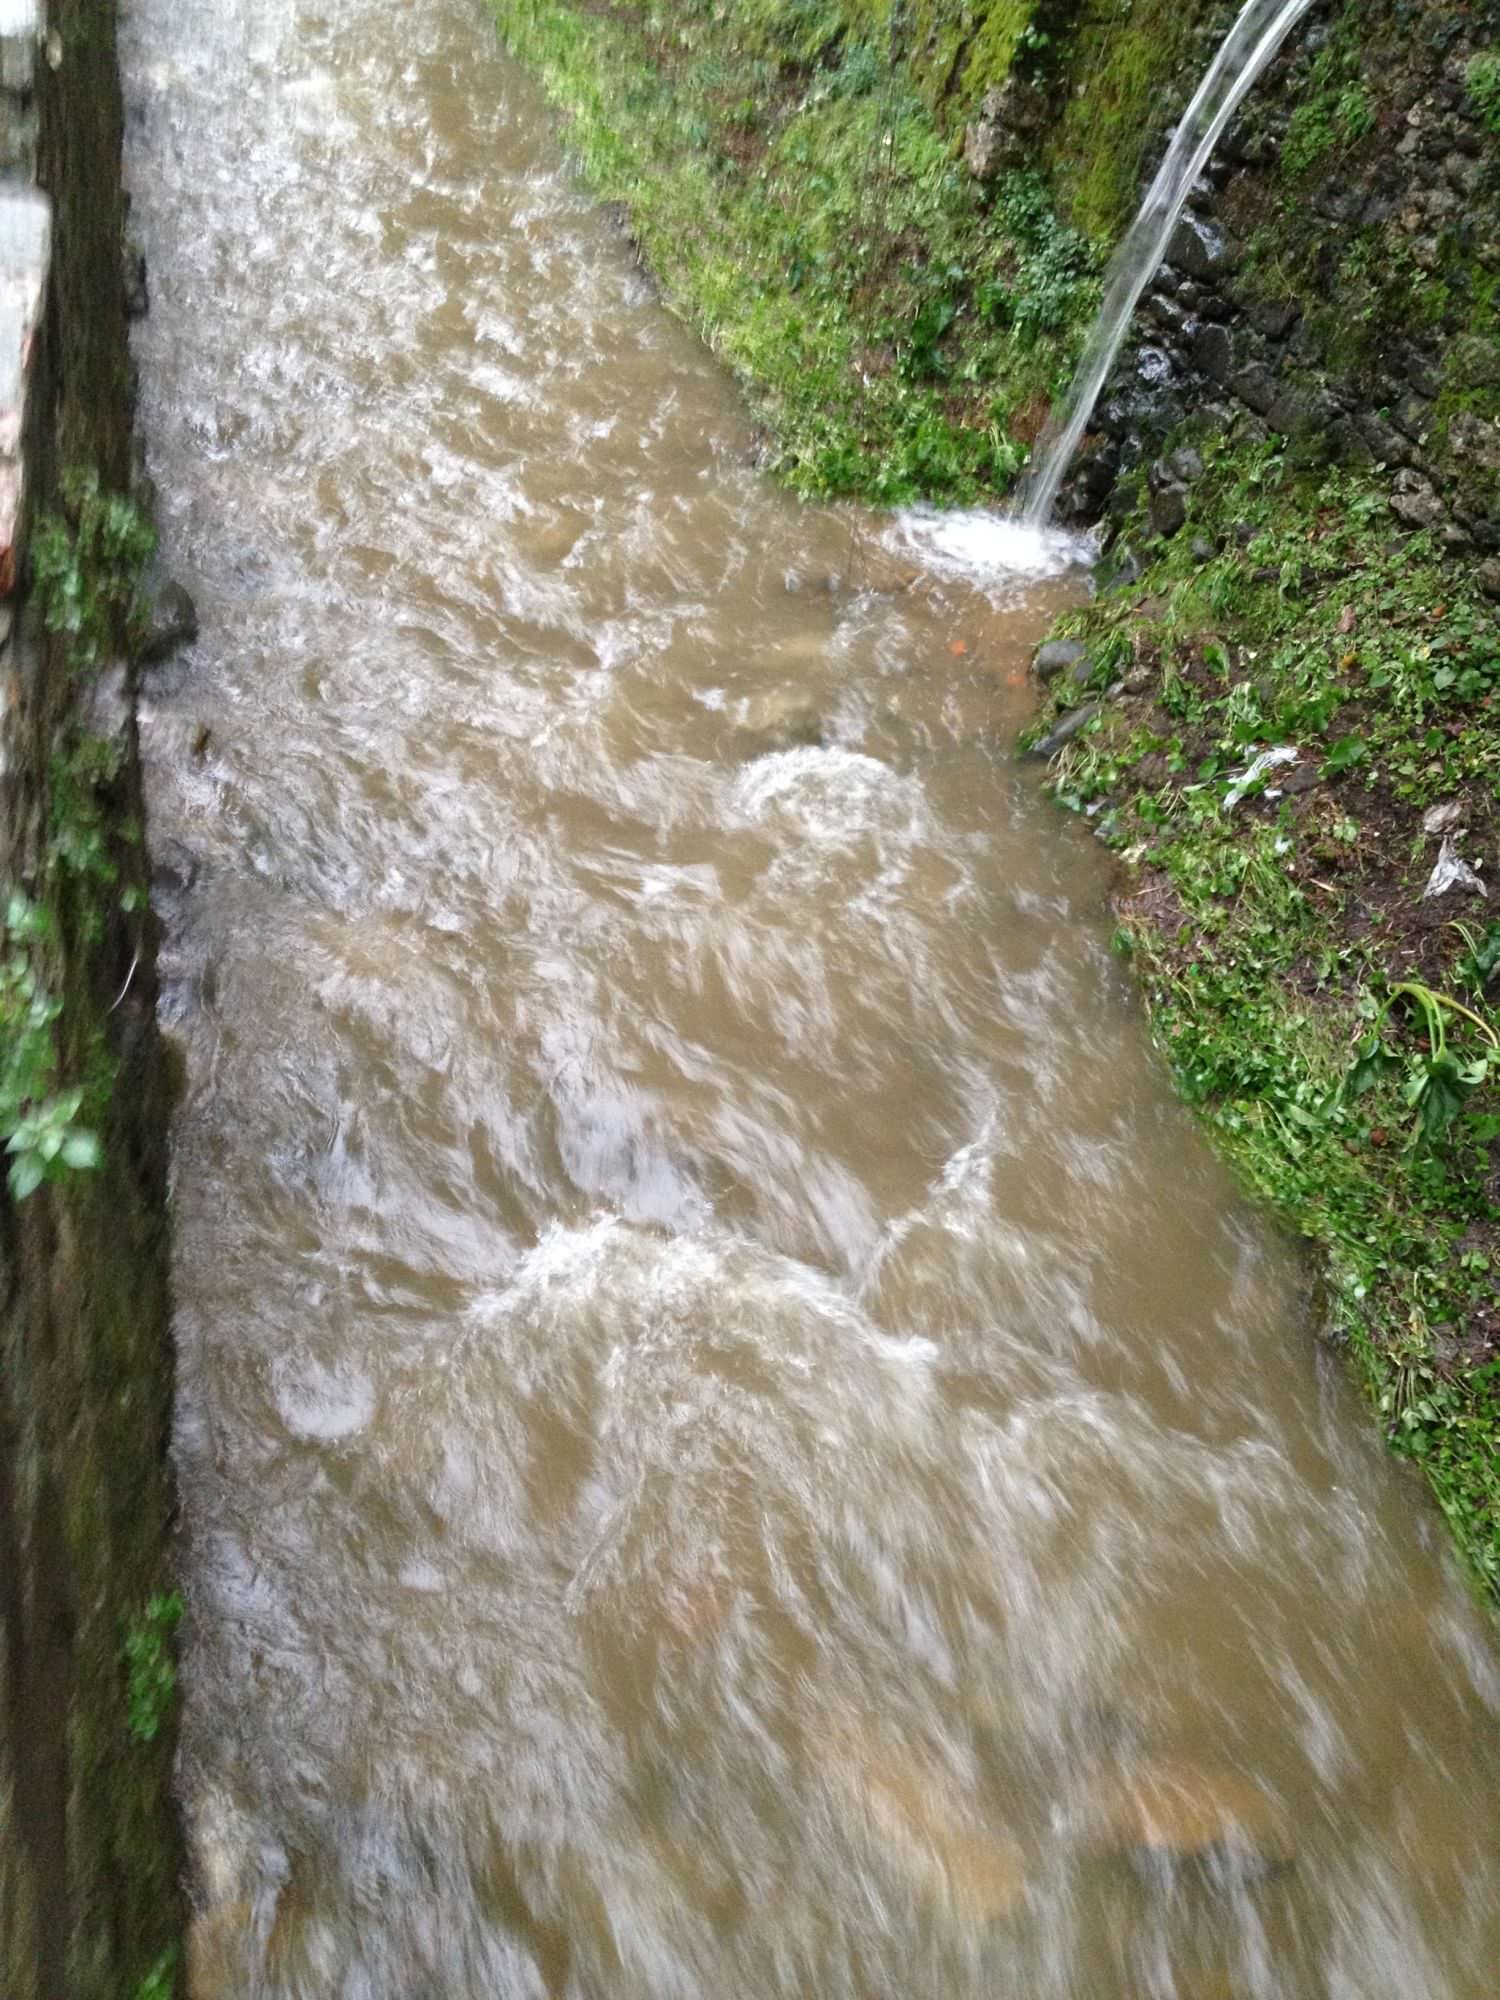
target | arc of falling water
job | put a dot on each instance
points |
(1262, 26)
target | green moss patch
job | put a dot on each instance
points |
(1122, 63)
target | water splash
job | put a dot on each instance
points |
(1262, 26)
(999, 555)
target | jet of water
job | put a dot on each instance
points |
(1257, 34)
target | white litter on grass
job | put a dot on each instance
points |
(1450, 871)
(1443, 818)
(1268, 760)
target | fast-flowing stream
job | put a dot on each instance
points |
(734, 1444)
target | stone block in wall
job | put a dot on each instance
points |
(1473, 441)
(25, 257)
(20, 43)
(1200, 249)
(21, 33)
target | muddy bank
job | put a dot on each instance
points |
(88, 1837)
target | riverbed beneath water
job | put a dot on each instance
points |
(733, 1440)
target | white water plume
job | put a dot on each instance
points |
(1262, 26)
(971, 545)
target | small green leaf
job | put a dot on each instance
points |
(1372, 1061)
(26, 1175)
(1348, 751)
(1438, 1093)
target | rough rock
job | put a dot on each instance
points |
(1415, 500)
(1255, 386)
(1386, 445)
(1011, 119)
(1056, 657)
(1077, 719)
(1185, 464)
(174, 869)
(1168, 509)
(1126, 574)
(1412, 416)
(137, 289)
(1213, 352)
(1476, 360)
(1473, 439)
(1275, 321)
(1200, 248)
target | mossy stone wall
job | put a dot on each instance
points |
(89, 1846)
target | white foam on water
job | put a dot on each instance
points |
(829, 794)
(972, 545)
(319, 1403)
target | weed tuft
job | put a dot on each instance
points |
(87, 563)
(150, 1661)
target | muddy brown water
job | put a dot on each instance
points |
(733, 1440)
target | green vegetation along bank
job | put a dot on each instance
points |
(1337, 1026)
(897, 324)
(890, 220)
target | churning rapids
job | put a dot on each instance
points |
(734, 1445)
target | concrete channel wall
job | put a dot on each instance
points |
(89, 1859)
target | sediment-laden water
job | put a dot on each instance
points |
(733, 1440)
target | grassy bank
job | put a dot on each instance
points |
(1335, 1028)
(896, 327)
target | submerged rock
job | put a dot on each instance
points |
(1173, 1811)
(172, 622)
(217, 1950)
(976, 1872)
(782, 718)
